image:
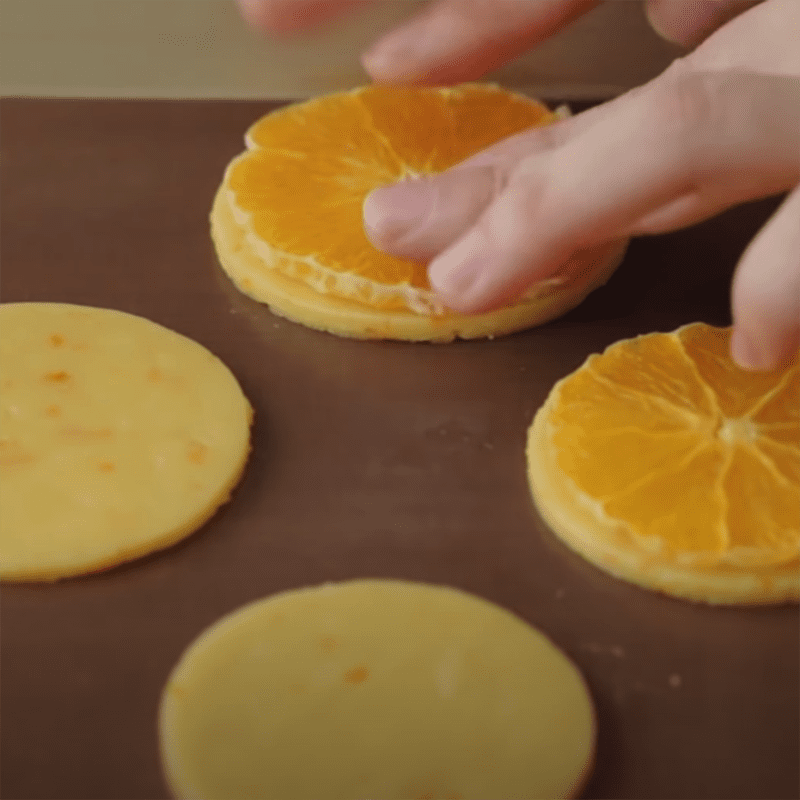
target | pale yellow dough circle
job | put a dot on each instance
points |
(299, 302)
(375, 689)
(119, 437)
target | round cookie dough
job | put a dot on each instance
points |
(375, 688)
(119, 437)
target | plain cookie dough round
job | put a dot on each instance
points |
(375, 689)
(119, 437)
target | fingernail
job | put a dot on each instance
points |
(393, 213)
(747, 354)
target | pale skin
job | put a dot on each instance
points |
(718, 128)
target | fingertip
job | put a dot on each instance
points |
(754, 355)
(468, 276)
(292, 16)
(377, 217)
(454, 282)
(664, 26)
(251, 11)
(392, 214)
(765, 296)
(401, 56)
(746, 354)
(687, 23)
(268, 16)
(378, 64)
(372, 211)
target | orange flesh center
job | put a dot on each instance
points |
(740, 429)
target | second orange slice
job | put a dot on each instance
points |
(667, 465)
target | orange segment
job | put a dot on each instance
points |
(678, 505)
(763, 496)
(595, 422)
(593, 401)
(783, 458)
(736, 390)
(472, 133)
(778, 414)
(299, 188)
(422, 114)
(664, 448)
(636, 457)
(331, 239)
(310, 131)
(655, 368)
(444, 126)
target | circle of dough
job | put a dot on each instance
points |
(119, 437)
(375, 688)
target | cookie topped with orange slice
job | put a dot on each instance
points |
(667, 465)
(287, 219)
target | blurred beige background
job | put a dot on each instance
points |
(202, 49)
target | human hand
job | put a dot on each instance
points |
(457, 40)
(719, 127)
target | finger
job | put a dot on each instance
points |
(455, 40)
(683, 135)
(681, 212)
(288, 16)
(418, 219)
(763, 39)
(688, 22)
(703, 203)
(766, 292)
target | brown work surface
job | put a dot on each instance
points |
(370, 459)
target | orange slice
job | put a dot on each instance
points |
(288, 226)
(665, 464)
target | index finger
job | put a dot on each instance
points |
(456, 40)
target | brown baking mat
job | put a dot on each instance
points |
(370, 459)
